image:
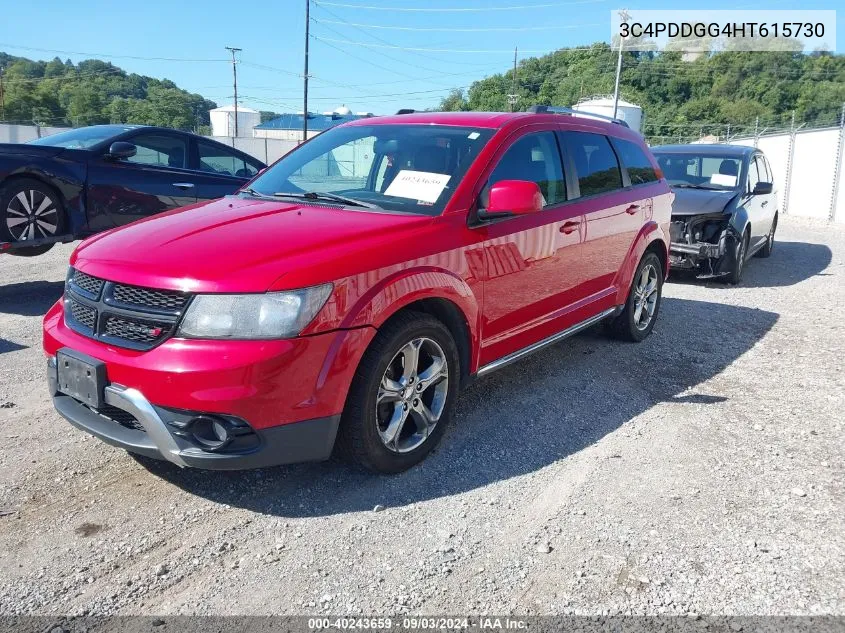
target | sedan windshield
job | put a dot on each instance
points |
(700, 171)
(81, 138)
(406, 168)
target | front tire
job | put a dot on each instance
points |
(638, 317)
(402, 395)
(30, 210)
(739, 257)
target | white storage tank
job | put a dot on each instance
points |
(223, 120)
(631, 113)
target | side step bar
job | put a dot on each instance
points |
(536, 347)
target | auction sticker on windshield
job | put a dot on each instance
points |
(723, 180)
(418, 185)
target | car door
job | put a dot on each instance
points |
(531, 261)
(155, 179)
(756, 206)
(220, 170)
(613, 212)
(770, 203)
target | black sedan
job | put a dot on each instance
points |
(76, 183)
(725, 209)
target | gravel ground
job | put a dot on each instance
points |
(698, 472)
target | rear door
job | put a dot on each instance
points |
(220, 170)
(154, 180)
(613, 211)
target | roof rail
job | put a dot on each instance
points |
(405, 111)
(547, 109)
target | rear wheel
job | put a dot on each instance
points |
(29, 211)
(402, 395)
(766, 251)
(637, 319)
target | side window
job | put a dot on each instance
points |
(535, 158)
(763, 169)
(218, 160)
(595, 162)
(753, 175)
(639, 167)
(160, 150)
(769, 169)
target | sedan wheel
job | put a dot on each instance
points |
(32, 214)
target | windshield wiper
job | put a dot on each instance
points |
(318, 195)
(690, 186)
(254, 193)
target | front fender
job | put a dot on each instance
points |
(650, 233)
(357, 302)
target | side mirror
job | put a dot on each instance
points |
(512, 197)
(762, 188)
(122, 149)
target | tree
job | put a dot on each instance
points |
(94, 91)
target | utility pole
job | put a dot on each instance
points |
(2, 98)
(235, 76)
(305, 75)
(513, 97)
(624, 17)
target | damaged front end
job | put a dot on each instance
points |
(705, 244)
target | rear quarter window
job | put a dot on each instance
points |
(635, 160)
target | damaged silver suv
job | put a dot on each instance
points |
(725, 209)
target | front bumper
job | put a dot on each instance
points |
(153, 432)
(288, 393)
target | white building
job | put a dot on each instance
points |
(631, 113)
(223, 121)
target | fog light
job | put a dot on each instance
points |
(210, 432)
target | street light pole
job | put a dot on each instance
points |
(624, 17)
(235, 76)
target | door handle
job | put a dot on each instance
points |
(632, 209)
(764, 203)
(569, 227)
(183, 185)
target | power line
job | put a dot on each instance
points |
(457, 30)
(62, 52)
(440, 50)
(457, 9)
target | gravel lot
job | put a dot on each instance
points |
(699, 472)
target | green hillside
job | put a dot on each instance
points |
(93, 91)
(680, 98)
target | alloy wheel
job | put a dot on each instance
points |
(645, 296)
(412, 395)
(30, 215)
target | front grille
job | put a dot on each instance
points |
(83, 314)
(150, 298)
(120, 314)
(87, 283)
(123, 418)
(147, 332)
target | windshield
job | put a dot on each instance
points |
(700, 171)
(408, 168)
(80, 138)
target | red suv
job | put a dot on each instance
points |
(345, 295)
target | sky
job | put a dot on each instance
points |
(352, 62)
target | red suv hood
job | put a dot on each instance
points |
(244, 245)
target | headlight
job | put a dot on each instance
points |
(253, 316)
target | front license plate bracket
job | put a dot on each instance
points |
(81, 376)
